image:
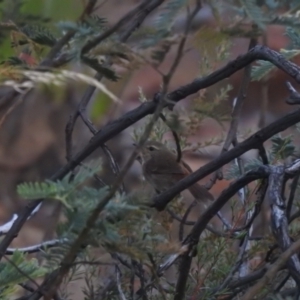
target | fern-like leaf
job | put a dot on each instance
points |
(38, 190)
(169, 12)
(39, 34)
(254, 12)
(85, 172)
(19, 271)
(285, 20)
(95, 21)
(59, 190)
(164, 23)
(233, 172)
(282, 147)
(294, 36)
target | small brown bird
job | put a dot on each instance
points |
(161, 170)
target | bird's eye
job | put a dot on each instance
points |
(151, 148)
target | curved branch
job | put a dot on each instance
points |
(192, 239)
(272, 271)
(36, 248)
(115, 127)
(253, 142)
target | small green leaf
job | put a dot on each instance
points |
(282, 147)
(39, 34)
(100, 106)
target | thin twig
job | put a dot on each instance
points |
(294, 97)
(156, 278)
(279, 222)
(233, 234)
(236, 112)
(176, 139)
(291, 199)
(102, 292)
(121, 293)
(37, 247)
(22, 272)
(264, 101)
(184, 218)
(53, 281)
(115, 127)
(102, 36)
(143, 10)
(246, 239)
(260, 173)
(17, 102)
(272, 271)
(48, 60)
(282, 283)
(253, 142)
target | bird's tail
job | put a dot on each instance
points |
(201, 193)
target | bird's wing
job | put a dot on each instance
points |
(168, 166)
(200, 192)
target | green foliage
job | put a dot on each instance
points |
(264, 68)
(127, 228)
(286, 20)
(61, 190)
(14, 11)
(95, 22)
(123, 218)
(210, 109)
(254, 12)
(233, 171)
(39, 34)
(13, 18)
(85, 31)
(14, 61)
(91, 25)
(159, 54)
(17, 270)
(36, 190)
(294, 36)
(163, 24)
(170, 11)
(214, 258)
(282, 147)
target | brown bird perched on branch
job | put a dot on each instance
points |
(161, 170)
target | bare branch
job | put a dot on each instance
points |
(243, 247)
(292, 194)
(184, 218)
(192, 239)
(279, 221)
(115, 127)
(121, 293)
(294, 97)
(272, 271)
(144, 6)
(36, 248)
(48, 60)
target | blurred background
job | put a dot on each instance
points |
(32, 135)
